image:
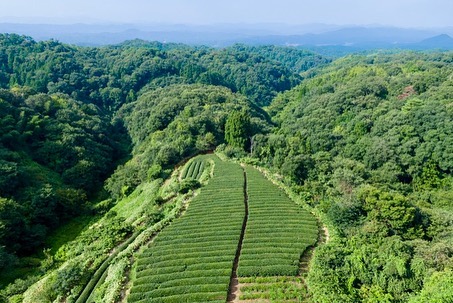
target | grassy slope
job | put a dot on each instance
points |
(90, 244)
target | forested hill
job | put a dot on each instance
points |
(369, 143)
(364, 141)
(61, 135)
(110, 76)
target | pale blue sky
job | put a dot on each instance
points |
(405, 13)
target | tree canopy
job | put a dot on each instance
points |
(367, 141)
(238, 130)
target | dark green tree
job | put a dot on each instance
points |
(237, 129)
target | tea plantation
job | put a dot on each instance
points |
(239, 214)
(191, 260)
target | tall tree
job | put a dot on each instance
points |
(237, 129)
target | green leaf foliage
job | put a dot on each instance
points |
(54, 153)
(237, 129)
(367, 141)
(166, 126)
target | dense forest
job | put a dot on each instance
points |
(366, 141)
(62, 132)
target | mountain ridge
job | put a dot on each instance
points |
(222, 35)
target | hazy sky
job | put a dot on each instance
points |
(406, 13)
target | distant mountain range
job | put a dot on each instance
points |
(362, 37)
(310, 36)
(442, 41)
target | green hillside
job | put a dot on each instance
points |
(367, 142)
(169, 173)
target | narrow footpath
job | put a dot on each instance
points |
(234, 289)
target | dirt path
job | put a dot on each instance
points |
(326, 235)
(304, 262)
(234, 288)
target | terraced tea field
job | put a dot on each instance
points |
(278, 230)
(191, 260)
(272, 289)
(278, 233)
(239, 225)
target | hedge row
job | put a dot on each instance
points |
(194, 168)
(159, 292)
(193, 274)
(167, 251)
(212, 297)
(151, 262)
(173, 282)
(268, 270)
